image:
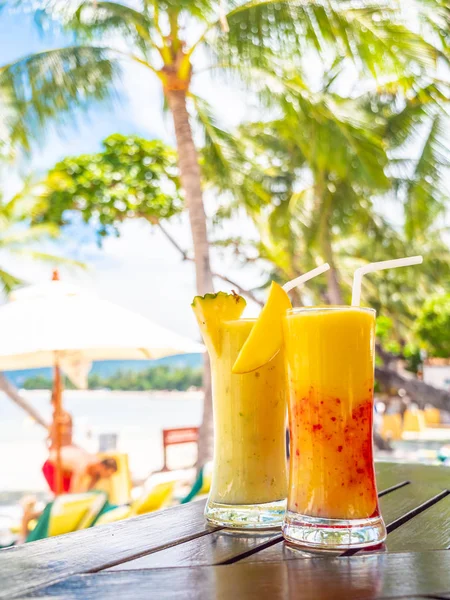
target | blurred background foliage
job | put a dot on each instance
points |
(348, 161)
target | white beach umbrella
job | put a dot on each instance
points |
(55, 317)
(59, 325)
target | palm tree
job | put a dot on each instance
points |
(166, 38)
(359, 226)
(41, 87)
(331, 161)
(326, 166)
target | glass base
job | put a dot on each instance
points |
(246, 516)
(332, 534)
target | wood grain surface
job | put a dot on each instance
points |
(352, 578)
(225, 546)
(217, 548)
(89, 561)
(29, 566)
(430, 530)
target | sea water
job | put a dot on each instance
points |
(137, 418)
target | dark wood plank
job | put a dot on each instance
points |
(24, 568)
(406, 499)
(217, 548)
(393, 505)
(430, 530)
(389, 474)
(225, 546)
(359, 577)
(39, 564)
(222, 547)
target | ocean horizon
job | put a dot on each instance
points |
(137, 418)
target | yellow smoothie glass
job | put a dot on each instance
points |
(249, 480)
(332, 498)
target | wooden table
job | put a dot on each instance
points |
(174, 554)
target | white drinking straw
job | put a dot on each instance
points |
(290, 285)
(379, 266)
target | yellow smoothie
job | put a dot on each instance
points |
(330, 356)
(249, 425)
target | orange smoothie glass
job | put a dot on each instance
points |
(332, 499)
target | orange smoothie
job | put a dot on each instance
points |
(330, 357)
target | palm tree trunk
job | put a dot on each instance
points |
(333, 286)
(191, 185)
(11, 391)
(334, 292)
(420, 392)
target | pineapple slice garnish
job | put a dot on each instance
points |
(211, 310)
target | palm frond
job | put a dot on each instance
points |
(405, 104)
(335, 134)
(94, 19)
(424, 190)
(227, 164)
(22, 237)
(219, 147)
(8, 281)
(371, 35)
(51, 85)
(46, 257)
(435, 16)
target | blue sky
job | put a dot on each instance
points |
(138, 270)
(20, 36)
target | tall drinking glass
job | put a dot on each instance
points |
(332, 498)
(249, 480)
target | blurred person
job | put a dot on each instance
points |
(85, 479)
(82, 470)
(65, 425)
(30, 512)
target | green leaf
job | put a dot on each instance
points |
(424, 191)
(50, 86)
(8, 281)
(433, 325)
(372, 35)
(93, 20)
(131, 177)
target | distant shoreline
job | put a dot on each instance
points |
(151, 394)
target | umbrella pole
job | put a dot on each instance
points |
(58, 423)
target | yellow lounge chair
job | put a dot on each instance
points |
(67, 513)
(432, 416)
(391, 427)
(117, 487)
(414, 420)
(116, 514)
(207, 476)
(153, 499)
